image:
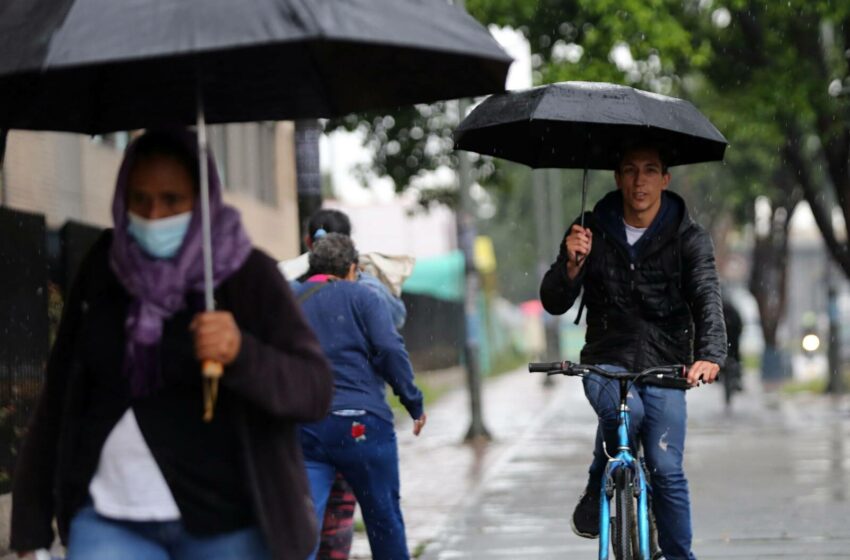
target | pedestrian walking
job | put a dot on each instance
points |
(117, 451)
(731, 372)
(337, 528)
(652, 296)
(357, 438)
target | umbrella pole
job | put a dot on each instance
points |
(583, 195)
(212, 370)
(583, 202)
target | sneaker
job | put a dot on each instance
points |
(585, 519)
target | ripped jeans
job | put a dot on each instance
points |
(658, 416)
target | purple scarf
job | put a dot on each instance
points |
(159, 286)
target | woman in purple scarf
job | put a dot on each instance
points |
(117, 451)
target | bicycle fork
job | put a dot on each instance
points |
(624, 460)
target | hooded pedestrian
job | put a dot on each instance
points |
(117, 451)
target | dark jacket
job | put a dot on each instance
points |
(356, 332)
(656, 305)
(279, 378)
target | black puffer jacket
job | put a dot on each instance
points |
(660, 305)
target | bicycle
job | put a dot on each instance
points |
(625, 479)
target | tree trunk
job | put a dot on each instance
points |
(803, 174)
(768, 280)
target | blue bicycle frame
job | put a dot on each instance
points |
(623, 460)
(665, 376)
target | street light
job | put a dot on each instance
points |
(811, 343)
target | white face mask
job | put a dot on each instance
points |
(160, 238)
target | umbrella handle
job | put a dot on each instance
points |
(212, 371)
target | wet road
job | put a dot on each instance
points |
(770, 480)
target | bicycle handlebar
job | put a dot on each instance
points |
(673, 376)
(545, 367)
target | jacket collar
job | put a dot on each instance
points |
(672, 220)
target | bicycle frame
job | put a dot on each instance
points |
(666, 376)
(624, 459)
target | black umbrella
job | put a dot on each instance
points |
(586, 125)
(97, 66)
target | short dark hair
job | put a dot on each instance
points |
(162, 143)
(332, 221)
(660, 148)
(334, 254)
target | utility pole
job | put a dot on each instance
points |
(556, 233)
(466, 233)
(835, 383)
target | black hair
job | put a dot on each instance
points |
(332, 221)
(161, 143)
(662, 149)
(334, 254)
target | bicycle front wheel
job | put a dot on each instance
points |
(624, 525)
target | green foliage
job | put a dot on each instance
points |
(760, 70)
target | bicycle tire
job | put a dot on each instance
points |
(624, 525)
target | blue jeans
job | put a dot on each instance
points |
(94, 537)
(658, 416)
(363, 449)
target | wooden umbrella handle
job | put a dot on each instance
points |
(212, 371)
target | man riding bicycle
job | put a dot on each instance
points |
(652, 297)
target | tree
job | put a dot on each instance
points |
(780, 68)
(789, 63)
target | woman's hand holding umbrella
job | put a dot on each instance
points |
(578, 245)
(217, 337)
(217, 343)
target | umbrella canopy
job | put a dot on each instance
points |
(97, 66)
(584, 125)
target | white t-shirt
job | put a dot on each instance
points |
(633, 234)
(128, 483)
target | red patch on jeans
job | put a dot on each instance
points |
(358, 431)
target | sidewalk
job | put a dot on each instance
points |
(440, 475)
(769, 480)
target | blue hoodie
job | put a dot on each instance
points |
(358, 337)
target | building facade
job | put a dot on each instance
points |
(72, 177)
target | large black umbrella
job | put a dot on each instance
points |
(586, 125)
(97, 66)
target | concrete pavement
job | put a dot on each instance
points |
(769, 480)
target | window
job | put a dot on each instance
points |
(245, 154)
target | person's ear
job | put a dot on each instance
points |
(352, 272)
(665, 180)
(308, 242)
